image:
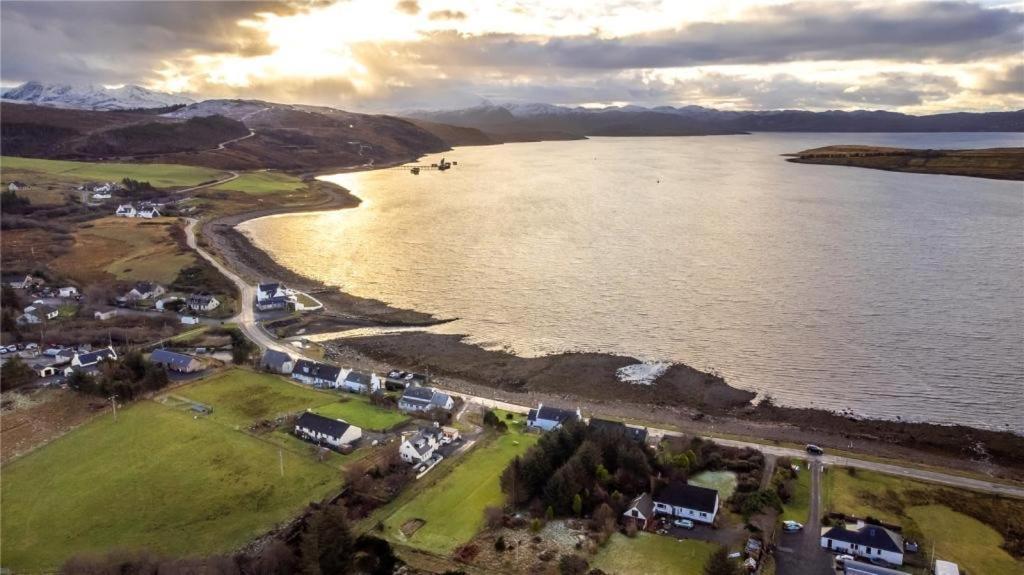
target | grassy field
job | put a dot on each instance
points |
(453, 508)
(653, 555)
(157, 478)
(160, 175)
(259, 183)
(362, 413)
(723, 481)
(125, 249)
(964, 540)
(799, 506)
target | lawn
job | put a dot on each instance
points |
(160, 175)
(360, 412)
(453, 508)
(157, 478)
(965, 541)
(799, 505)
(126, 249)
(653, 555)
(723, 481)
(258, 183)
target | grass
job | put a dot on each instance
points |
(453, 507)
(125, 249)
(159, 175)
(964, 540)
(723, 481)
(653, 555)
(158, 479)
(799, 506)
(362, 413)
(259, 183)
(858, 494)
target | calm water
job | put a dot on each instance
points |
(888, 294)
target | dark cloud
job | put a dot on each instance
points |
(408, 6)
(448, 15)
(1008, 81)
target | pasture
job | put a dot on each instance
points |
(359, 411)
(125, 249)
(34, 171)
(259, 183)
(158, 478)
(653, 555)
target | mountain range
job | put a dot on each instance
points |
(91, 97)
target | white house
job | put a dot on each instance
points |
(145, 210)
(864, 540)
(684, 501)
(148, 211)
(318, 374)
(421, 446)
(38, 312)
(90, 359)
(125, 211)
(326, 431)
(277, 361)
(101, 196)
(548, 418)
(202, 301)
(144, 290)
(359, 382)
(270, 296)
(640, 510)
(69, 291)
(424, 399)
(104, 315)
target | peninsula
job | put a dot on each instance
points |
(994, 163)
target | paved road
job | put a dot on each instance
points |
(234, 175)
(246, 321)
(801, 553)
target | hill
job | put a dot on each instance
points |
(995, 163)
(92, 97)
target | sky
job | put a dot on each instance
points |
(393, 55)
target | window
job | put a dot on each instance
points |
(703, 514)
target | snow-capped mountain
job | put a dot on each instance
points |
(91, 97)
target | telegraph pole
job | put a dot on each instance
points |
(113, 403)
(280, 458)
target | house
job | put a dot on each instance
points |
(450, 433)
(125, 211)
(548, 418)
(38, 313)
(14, 187)
(640, 510)
(421, 446)
(359, 382)
(175, 361)
(18, 281)
(60, 355)
(864, 540)
(638, 434)
(144, 290)
(946, 568)
(277, 361)
(148, 211)
(326, 431)
(69, 291)
(104, 315)
(684, 501)
(202, 301)
(89, 360)
(318, 374)
(46, 370)
(424, 399)
(271, 296)
(397, 380)
(861, 568)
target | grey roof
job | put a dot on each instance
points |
(424, 396)
(679, 494)
(358, 377)
(859, 568)
(439, 399)
(874, 536)
(325, 425)
(644, 503)
(316, 370)
(170, 358)
(275, 359)
(145, 287)
(617, 427)
(94, 357)
(552, 414)
(201, 297)
(420, 441)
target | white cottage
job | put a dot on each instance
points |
(864, 540)
(421, 446)
(326, 431)
(685, 501)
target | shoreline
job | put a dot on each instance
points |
(684, 398)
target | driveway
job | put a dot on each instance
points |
(801, 553)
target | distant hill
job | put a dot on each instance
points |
(696, 120)
(92, 97)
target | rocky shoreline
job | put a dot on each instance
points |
(683, 398)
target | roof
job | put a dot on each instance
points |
(552, 414)
(420, 441)
(275, 358)
(874, 536)
(644, 503)
(679, 494)
(325, 425)
(201, 296)
(860, 568)
(96, 356)
(946, 568)
(358, 377)
(440, 399)
(316, 370)
(171, 358)
(268, 287)
(421, 395)
(144, 287)
(604, 425)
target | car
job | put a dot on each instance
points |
(814, 449)
(842, 559)
(791, 526)
(684, 523)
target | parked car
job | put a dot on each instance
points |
(684, 523)
(815, 450)
(792, 526)
(842, 559)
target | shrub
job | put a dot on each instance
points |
(572, 565)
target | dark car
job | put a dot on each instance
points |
(815, 450)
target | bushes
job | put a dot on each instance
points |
(751, 503)
(127, 378)
(572, 565)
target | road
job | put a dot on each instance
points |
(801, 553)
(233, 176)
(246, 320)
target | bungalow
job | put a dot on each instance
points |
(324, 430)
(202, 301)
(69, 291)
(277, 361)
(90, 359)
(359, 382)
(175, 361)
(104, 315)
(684, 501)
(125, 211)
(548, 418)
(864, 540)
(397, 380)
(638, 434)
(640, 510)
(144, 290)
(148, 211)
(271, 296)
(38, 313)
(314, 373)
(424, 399)
(421, 446)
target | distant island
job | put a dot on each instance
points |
(995, 163)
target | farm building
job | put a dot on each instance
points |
(175, 361)
(326, 431)
(685, 501)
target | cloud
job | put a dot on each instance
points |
(411, 7)
(1007, 81)
(447, 15)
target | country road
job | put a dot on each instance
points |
(234, 175)
(246, 321)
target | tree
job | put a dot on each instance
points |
(577, 505)
(327, 545)
(15, 373)
(9, 298)
(720, 564)
(241, 348)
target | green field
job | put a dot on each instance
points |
(653, 555)
(160, 175)
(258, 183)
(157, 478)
(964, 540)
(362, 413)
(799, 505)
(723, 481)
(453, 508)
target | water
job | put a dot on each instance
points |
(885, 293)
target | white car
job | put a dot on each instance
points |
(842, 559)
(792, 526)
(684, 523)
